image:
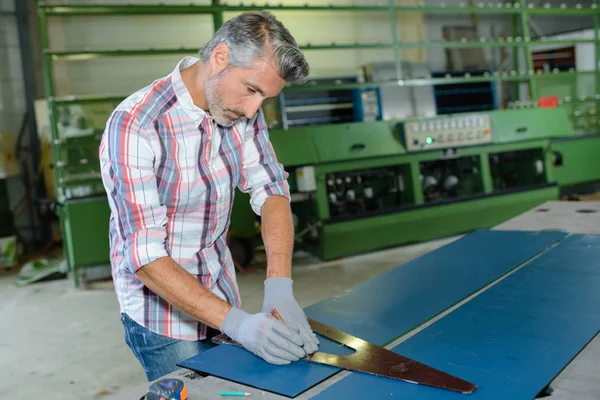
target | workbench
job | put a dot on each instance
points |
(539, 258)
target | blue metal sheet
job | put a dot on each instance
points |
(387, 306)
(513, 339)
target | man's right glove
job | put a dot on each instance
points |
(264, 336)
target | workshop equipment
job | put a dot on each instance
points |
(167, 389)
(322, 107)
(387, 307)
(361, 187)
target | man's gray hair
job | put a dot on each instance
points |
(254, 36)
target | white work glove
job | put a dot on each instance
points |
(279, 295)
(264, 336)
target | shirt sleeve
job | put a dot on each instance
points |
(262, 174)
(127, 164)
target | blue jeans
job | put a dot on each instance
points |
(159, 354)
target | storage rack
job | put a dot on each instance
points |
(519, 10)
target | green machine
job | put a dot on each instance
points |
(81, 202)
(358, 187)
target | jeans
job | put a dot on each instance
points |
(160, 354)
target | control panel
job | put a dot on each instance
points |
(447, 132)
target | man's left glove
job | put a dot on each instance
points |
(279, 295)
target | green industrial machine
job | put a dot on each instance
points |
(357, 186)
(365, 186)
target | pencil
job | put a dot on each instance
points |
(234, 394)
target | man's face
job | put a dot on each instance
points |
(237, 92)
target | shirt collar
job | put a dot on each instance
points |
(183, 95)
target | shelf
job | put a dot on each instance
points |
(86, 99)
(279, 7)
(93, 54)
(581, 114)
(83, 55)
(582, 99)
(79, 141)
(323, 100)
(146, 9)
(564, 101)
(571, 11)
(295, 88)
(462, 44)
(486, 9)
(504, 76)
(85, 178)
(552, 75)
(116, 9)
(349, 46)
(565, 42)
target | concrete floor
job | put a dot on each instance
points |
(57, 342)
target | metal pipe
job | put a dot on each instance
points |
(49, 86)
(515, 52)
(85, 9)
(527, 49)
(395, 39)
(27, 63)
(597, 52)
(217, 15)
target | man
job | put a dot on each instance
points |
(172, 155)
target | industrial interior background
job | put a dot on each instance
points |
(422, 120)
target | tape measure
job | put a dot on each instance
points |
(167, 389)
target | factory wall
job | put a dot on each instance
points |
(12, 102)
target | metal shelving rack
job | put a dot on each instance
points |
(520, 10)
(517, 8)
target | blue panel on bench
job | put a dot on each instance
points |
(513, 339)
(387, 306)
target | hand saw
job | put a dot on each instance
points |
(375, 360)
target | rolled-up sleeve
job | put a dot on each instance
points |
(262, 174)
(127, 164)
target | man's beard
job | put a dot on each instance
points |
(215, 103)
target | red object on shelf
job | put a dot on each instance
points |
(548, 102)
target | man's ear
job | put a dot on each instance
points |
(219, 58)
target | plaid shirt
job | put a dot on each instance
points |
(170, 172)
